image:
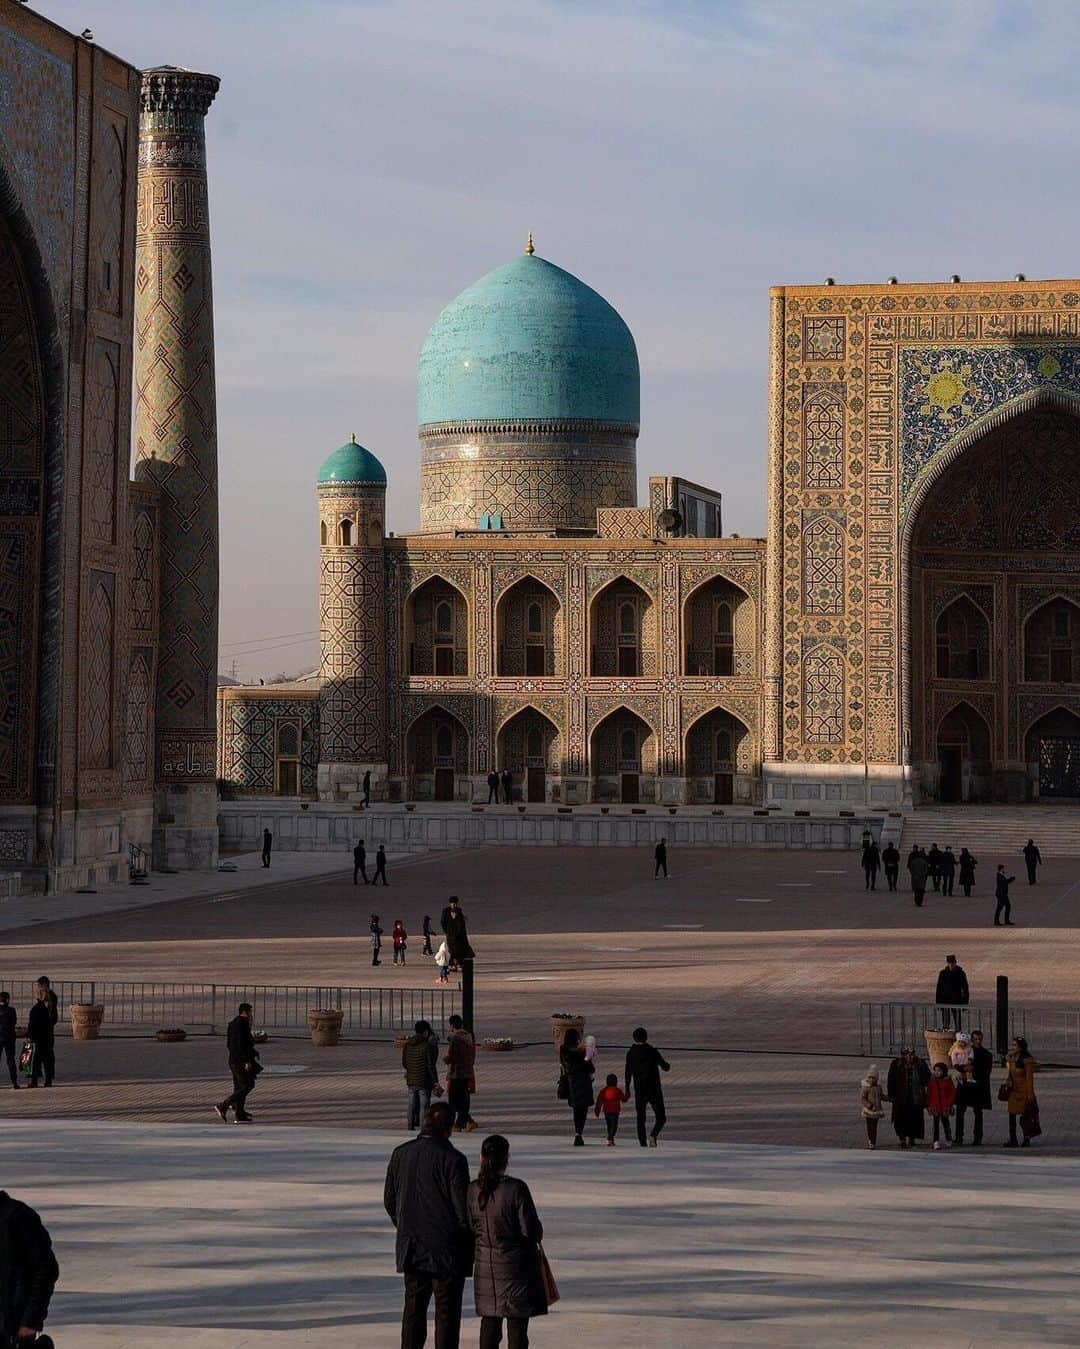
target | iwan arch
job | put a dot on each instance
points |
(908, 631)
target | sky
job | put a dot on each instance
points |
(370, 160)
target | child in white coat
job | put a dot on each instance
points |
(442, 960)
(870, 1099)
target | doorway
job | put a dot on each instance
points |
(723, 794)
(630, 789)
(444, 784)
(535, 784)
(288, 783)
(951, 765)
(1059, 766)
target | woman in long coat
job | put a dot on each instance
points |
(1022, 1104)
(906, 1089)
(507, 1283)
(967, 871)
(577, 1072)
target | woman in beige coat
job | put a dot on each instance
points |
(870, 1099)
(1022, 1104)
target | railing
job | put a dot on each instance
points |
(159, 1005)
(885, 1027)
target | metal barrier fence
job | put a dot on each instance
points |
(885, 1027)
(159, 1005)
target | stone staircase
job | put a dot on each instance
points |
(990, 830)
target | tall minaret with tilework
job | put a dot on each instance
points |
(176, 449)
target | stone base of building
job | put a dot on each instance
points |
(92, 847)
(650, 789)
(345, 781)
(185, 833)
(824, 786)
(1008, 783)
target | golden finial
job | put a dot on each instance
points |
(353, 437)
(529, 245)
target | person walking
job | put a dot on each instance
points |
(457, 936)
(871, 864)
(948, 870)
(40, 1031)
(660, 856)
(870, 1099)
(609, 1101)
(359, 859)
(243, 1064)
(28, 1273)
(400, 938)
(644, 1064)
(380, 866)
(890, 860)
(420, 1060)
(375, 928)
(460, 1060)
(1018, 1090)
(426, 1197)
(1001, 895)
(575, 1082)
(940, 1099)
(427, 931)
(508, 786)
(905, 1087)
(507, 1232)
(918, 868)
(967, 872)
(367, 788)
(268, 843)
(8, 1020)
(1032, 859)
(974, 1095)
(933, 862)
(493, 787)
(952, 991)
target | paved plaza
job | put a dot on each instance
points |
(220, 1239)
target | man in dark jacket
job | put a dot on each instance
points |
(1032, 859)
(508, 786)
(890, 860)
(366, 787)
(7, 1035)
(457, 936)
(243, 1064)
(39, 1030)
(660, 857)
(50, 999)
(948, 870)
(952, 989)
(644, 1063)
(493, 787)
(268, 844)
(420, 1059)
(28, 1272)
(933, 862)
(918, 867)
(975, 1095)
(359, 862)
(426, 1197)
(1001, 895)
(460, 1060)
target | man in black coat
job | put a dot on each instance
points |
(933, 862)
(457, 937)
(948, 870)
(243, 1064)
(426, 1197)
(359, 862)
(7, 1035)
(508, 786)
(1032, 859)
(890, 860)
(644, 1064)
(268, 844)
(39, 1030)
(367, 787)
(660, 857)
(1001, 895)
(28, 1272)
(975, 1095)
(493, 787)
(952, 989)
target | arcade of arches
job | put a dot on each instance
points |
(995, 631)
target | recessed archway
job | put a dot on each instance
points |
(437, 753)
(962, 641)
(529, 630)
(718, 751)
(622, 758)
(718, 630)
(529, 748)
(963, 755)
(622, 631)
(1052, 750)
(437, 629)
(1052, 643)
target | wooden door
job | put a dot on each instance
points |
(630, 788)
(536, 784)
(722, 789)
(951, 759)
(444, 784)
(288, 778)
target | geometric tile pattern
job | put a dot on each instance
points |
(823, 695)
(248, 740)
(823, 566)
(823, 452)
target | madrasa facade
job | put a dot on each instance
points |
(909, 630)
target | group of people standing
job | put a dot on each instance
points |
(948, 1091)
(37, 1059)
(578, 1061)
(943, 870)
(452, 952)
(420, 1060)
(359, 870)
(495, 781)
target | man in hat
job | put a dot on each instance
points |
(952, 991)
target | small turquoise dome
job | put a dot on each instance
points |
(526, 342)
(352, 463)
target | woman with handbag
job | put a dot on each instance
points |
(508, 1274)
(575, 1084)
(1018, 1090)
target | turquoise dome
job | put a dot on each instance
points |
(352, 463)
(529, 342)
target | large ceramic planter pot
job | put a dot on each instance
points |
(324, 1023)
(86, 1019)
(938, 1043)
(560, 1024)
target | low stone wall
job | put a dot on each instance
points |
(325, 827)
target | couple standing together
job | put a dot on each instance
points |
(448, 1228)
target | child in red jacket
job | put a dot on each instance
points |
(609, 1099)
(940, 1099)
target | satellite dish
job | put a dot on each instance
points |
(669, 521)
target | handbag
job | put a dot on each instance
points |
(562, 1089)
(1004, 1091)
(1029, 1122)
(547, 1279)
(26, 1058)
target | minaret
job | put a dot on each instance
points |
(176, 448)
(352, 622)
